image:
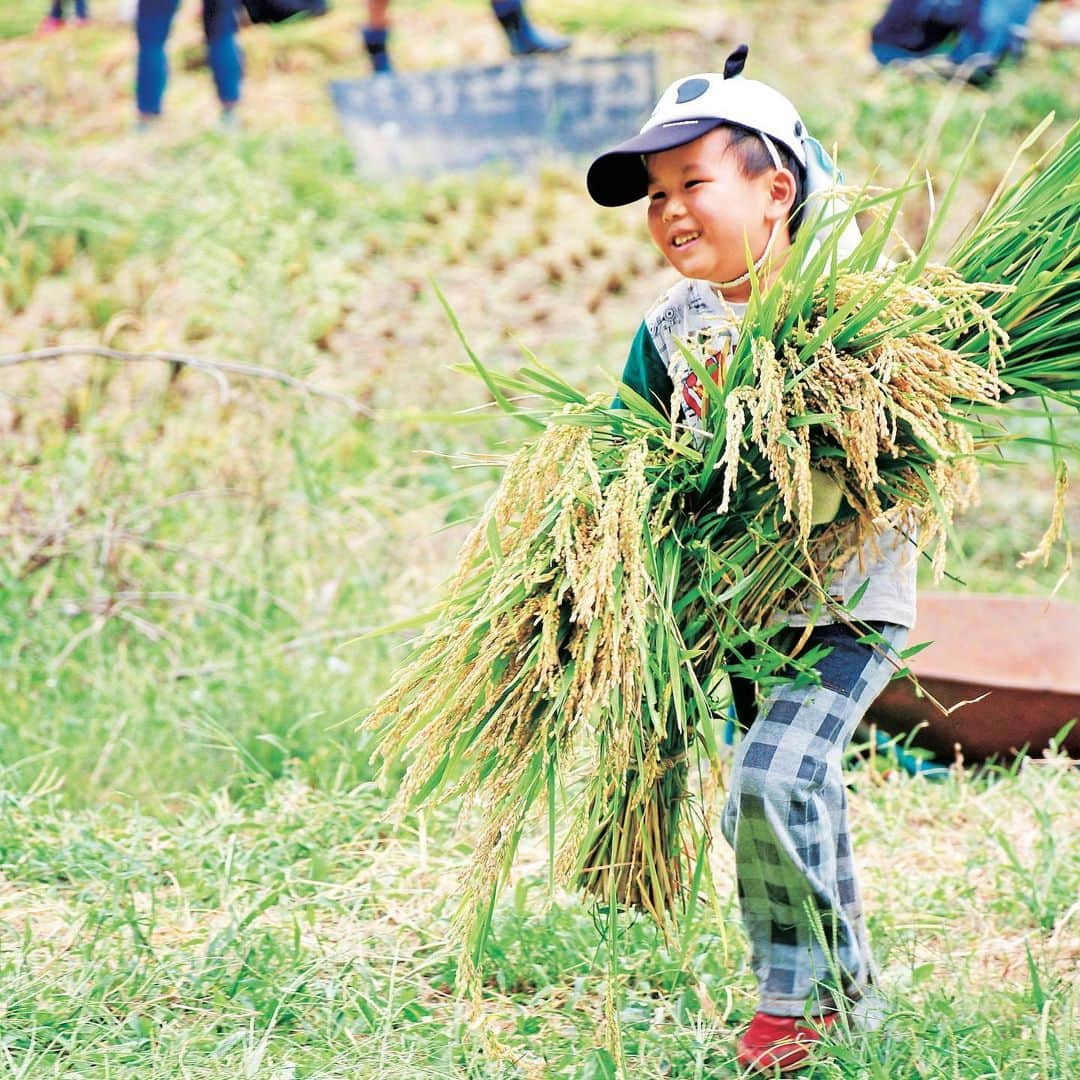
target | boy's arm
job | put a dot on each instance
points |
(645, 373)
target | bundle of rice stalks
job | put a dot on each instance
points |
(553, 628)
(626, 564)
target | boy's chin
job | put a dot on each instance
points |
(702, 270)
(692, 265)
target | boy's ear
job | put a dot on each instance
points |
(782, 190)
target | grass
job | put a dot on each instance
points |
(194, 876)
(290, 930)
(20, 17)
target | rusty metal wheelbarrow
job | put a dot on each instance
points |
(1014, 660)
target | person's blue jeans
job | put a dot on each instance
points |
(994, 31)
(57, 9)
(152, 25)
(997, 32)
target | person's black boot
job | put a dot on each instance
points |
(524, 38)
(375, 41)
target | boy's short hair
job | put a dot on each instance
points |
(754, 158)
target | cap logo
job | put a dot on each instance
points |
(691, 90)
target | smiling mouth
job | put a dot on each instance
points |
(684, 239)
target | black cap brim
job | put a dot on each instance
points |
(618, 177)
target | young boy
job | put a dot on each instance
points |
(727, 165)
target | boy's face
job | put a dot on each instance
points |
(703, 212)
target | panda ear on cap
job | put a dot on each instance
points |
(735, 63)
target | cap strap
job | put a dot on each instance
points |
(742, 279)
(773, 152)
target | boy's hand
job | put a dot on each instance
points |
(825, 497)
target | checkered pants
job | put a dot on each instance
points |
(786, 818)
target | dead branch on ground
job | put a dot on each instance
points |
(216, 369)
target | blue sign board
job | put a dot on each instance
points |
(460, 119)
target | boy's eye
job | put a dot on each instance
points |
(655, 196)
(693, 183)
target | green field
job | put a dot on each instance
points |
(197, 878)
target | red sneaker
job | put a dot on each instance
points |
(49, 25)
(781, 1043)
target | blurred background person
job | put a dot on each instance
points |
(153, 21)
(524, 38)
(963, 38)
(55, 19)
